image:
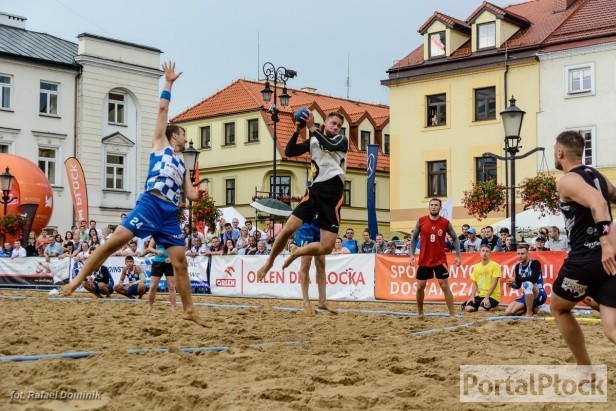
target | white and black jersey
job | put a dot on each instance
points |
(328, 154)
(579, 221)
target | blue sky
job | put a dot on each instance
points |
(217, 42)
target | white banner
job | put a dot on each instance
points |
(349, 277)
(33, 270)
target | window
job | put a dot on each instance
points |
(6, 85)
(230, 192)
(342, 131)
(580, 79)
(347, 193)
(116, 108)
(283, 187)
(485, 103)
(437, 178)
(486, 35)
(114, 172)
(437, 44)
(4, 148)
(48, 101)
(589, 156)
(386, 144)
(48, 161)
(437, 110)
(229, 134)
(205, 137)
(485, 169)
(253, 130)
(365, 140)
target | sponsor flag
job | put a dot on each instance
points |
(373, 153)
(447, 209)
(79, 191)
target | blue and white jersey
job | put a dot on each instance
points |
(526, 274)
(166, 174)
(132, 275)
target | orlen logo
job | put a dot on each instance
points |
(227, 282)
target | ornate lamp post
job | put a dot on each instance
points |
(512, 118)
(6, 181)
(191, 156)
(276, 75)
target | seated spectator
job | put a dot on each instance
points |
(485, 290)
(391, 248)
(68, 250)
(349, 242)
(31, 250)
(368, 246)
(94, 241)
(262, 249)
(6, 251)
(540, 244)
(131, 249)
(18, 250)
(271, 230)
(230, 233)
(557, 241)
(83, 253)
(339, 249)
(406, 247)
(503, 233)
(229, 247)
(381, 244)
(197, 249)
(99, 282)
(473, 243)
(53, 249)
(42, 241)
(135, 285)
(529, 277)
(242, 242)
(216, 248)
(68, 237)
(543, 232)
(252, 246)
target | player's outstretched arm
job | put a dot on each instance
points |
(159, 141)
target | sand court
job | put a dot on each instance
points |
(269, 355)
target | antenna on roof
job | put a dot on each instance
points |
(258, 57)
(348, 78)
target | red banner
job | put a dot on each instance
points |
(395, 280)
(79, 191)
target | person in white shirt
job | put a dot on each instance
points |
(18, 250)
(557, 241)
(473, 244)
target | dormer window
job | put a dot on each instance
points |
(486, 35)
(437, 44)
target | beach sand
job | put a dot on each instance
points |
(274, 360)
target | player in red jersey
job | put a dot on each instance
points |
(432, 257)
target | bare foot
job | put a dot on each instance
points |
(65, 291)
(290, 258)
(173, 308)
(324, 305)
(529, 314)
(308, 309)
(194, 317)
(149, 307)
(262, 271)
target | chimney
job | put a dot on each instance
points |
(12, 20)
(562, 5)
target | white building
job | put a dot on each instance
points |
(96, 100)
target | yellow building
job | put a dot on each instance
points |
(234, 133)
(446, 97)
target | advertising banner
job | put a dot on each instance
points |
(349, 277)
(79, 191)
(34, 271)
(396, 280)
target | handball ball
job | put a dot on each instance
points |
(299, 114)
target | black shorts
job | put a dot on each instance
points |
(476, 303)
(580, 278)
(160, 267)
(426, 273)
(326, 199)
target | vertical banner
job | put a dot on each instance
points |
(28, 211)
(79, 191)
(373, 153)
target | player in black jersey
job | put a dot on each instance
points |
(590, 268)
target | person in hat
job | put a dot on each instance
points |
(473, 243)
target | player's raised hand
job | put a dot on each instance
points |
(169, 69)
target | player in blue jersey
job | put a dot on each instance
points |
(529, 278)
(306, 234)
(156, 213)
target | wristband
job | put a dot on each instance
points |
(602, 228)
(166, 94)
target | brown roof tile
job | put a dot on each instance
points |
(244, 96)
(448, 21)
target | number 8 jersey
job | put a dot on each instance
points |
(432, 245)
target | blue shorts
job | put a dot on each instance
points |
(156, 217)
(98, 290)
(133, 289)
(540, 300)
(307, 233)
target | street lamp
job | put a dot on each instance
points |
(191, 156)
(276, 75)
(512, 118)
(6, 181)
